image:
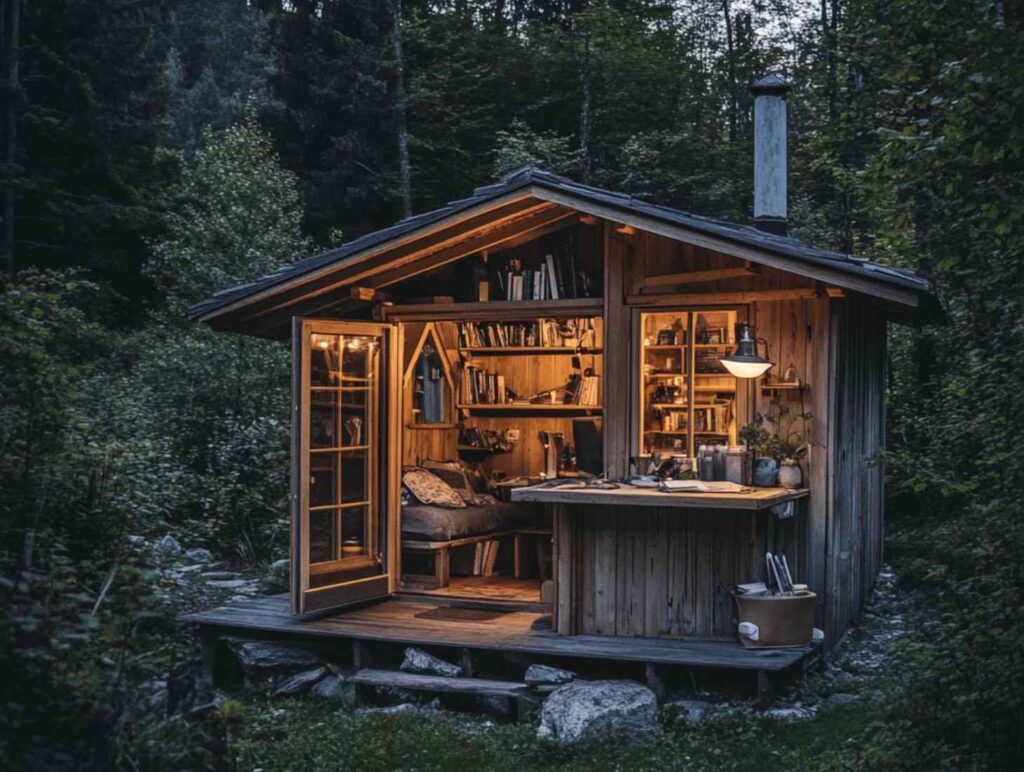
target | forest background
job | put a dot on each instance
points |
(155, 151)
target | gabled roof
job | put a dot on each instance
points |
(619, 206)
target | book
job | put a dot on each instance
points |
(552, 281)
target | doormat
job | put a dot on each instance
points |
(452, 614)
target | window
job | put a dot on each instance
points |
(687, 399)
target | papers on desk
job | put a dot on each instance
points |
(702, 486)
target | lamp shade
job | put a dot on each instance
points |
(745, 361)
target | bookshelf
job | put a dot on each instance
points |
(686, 397)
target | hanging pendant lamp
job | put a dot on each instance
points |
(745, 361)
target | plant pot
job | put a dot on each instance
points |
(781, 620)
(790, 476)
(766, 472)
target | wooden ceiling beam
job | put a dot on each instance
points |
(722, 298)
(697, 277)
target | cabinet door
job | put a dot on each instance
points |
(341, 530)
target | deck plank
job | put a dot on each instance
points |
(405, 623)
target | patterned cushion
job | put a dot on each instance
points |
(452, 473)
(428, 488)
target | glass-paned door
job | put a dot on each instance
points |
(340, 539)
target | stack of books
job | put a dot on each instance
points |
(482, 387)
(582, 390)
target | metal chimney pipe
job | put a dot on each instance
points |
(770, 154)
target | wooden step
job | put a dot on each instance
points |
(418, 682)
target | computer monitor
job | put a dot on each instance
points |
(586, 436)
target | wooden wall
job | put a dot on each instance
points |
(669, 573)
(856, 484)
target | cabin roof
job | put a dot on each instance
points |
(586, 199)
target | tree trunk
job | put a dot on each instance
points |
(12, 23)
(586, 110)
(401, 118)
(731, 70)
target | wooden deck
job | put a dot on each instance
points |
(432, 624)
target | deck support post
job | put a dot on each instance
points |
(466, 662)
(654, 681)
(208, 656)
(766, 687)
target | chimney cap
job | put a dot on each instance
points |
(770, 84)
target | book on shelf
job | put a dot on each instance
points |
(542, 333)
(556, 277)
(482, 387)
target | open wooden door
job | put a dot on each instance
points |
(343, 497)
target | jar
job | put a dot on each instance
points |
(737, 465)
(790, 476)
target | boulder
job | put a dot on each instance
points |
(167, 546)
(281, 567)
(537, 675)
(260, 657)
(418, 661)
(335, 689)
(228, 584)
(691, 712)
(592, 710)
(199, 555)
(790, 714)
(300, 682)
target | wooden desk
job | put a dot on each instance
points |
(641, 562)
(628, 496)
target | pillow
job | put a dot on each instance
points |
(457, 476)
(453, 473)
(428, 488)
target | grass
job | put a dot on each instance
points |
(296, 734)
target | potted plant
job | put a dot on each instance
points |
(778, 441)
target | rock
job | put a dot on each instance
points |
(206, 708)
(281, 567)
(158, 695)
(790, 714)
(406, 707)
(199, 555)
(418, 661)
(335, 689)
(691, 712)
(592, 710)
(219, 575)
(300, 682)
(544, 674)
(842, 699)
(168, 546)
(228, 584)
(494, 704)
(262, 657)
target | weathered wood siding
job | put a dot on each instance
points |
(665, 573)
(856, 480)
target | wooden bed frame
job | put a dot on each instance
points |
(440, 551)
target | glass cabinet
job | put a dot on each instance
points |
(686, 397)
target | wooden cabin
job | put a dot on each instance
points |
(542, 330)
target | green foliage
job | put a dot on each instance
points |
(780, 434)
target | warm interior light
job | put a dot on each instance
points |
(746, 369)
(745, 361)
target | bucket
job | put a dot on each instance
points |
(781, 620)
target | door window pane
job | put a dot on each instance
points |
(323, 536)
(355, 423)
(354, 476)
(323, 478)
(323, 359)
(353, 531)
(357, 356)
